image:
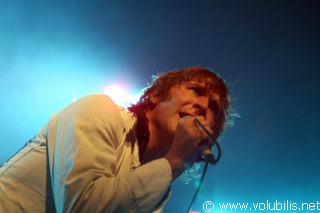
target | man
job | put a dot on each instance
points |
(94, 156)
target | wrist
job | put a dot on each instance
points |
(177, 166)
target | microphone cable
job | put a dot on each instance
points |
(206, 164)
(198, 188)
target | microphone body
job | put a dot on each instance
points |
(204, 151)
(204, 148)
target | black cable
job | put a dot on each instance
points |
(206, 164)
(198, 188)
(203, 175)
(219, 152)
(212, 139)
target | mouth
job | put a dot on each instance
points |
(185, 114)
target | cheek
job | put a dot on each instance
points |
(210, 118)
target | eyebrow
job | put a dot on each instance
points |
(214, 103)
(197, 85)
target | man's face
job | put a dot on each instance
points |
(188, 99)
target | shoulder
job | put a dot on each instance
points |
(93, 104)
(96, 102)
(96, 108)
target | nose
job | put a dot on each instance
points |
(202, 108)
(201, 105)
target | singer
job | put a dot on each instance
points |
(95, 156)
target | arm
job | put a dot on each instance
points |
(86, 155)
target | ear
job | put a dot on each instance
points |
(154, 98)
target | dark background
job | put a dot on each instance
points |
(54, 51)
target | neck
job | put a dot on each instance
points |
(157, 145)
(152, 152)
(154, 147)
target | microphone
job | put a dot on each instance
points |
(204, 148)
(205, 152)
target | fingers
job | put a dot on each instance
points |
(197, 128)
(204, 129)
(188, 135)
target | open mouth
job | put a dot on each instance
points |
(185, 114)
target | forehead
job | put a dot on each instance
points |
(205, 87)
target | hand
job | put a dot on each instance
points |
(184, 149)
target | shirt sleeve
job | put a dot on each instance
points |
(84, 150)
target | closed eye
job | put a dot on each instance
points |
(199, 91)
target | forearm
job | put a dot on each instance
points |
(136, 191)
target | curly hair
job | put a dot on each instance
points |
(162, 83)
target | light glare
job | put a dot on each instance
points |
(117, 94)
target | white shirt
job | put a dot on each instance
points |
(94, 164)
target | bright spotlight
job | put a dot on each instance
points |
(120, 96)
(133, 99)
(117, 94)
